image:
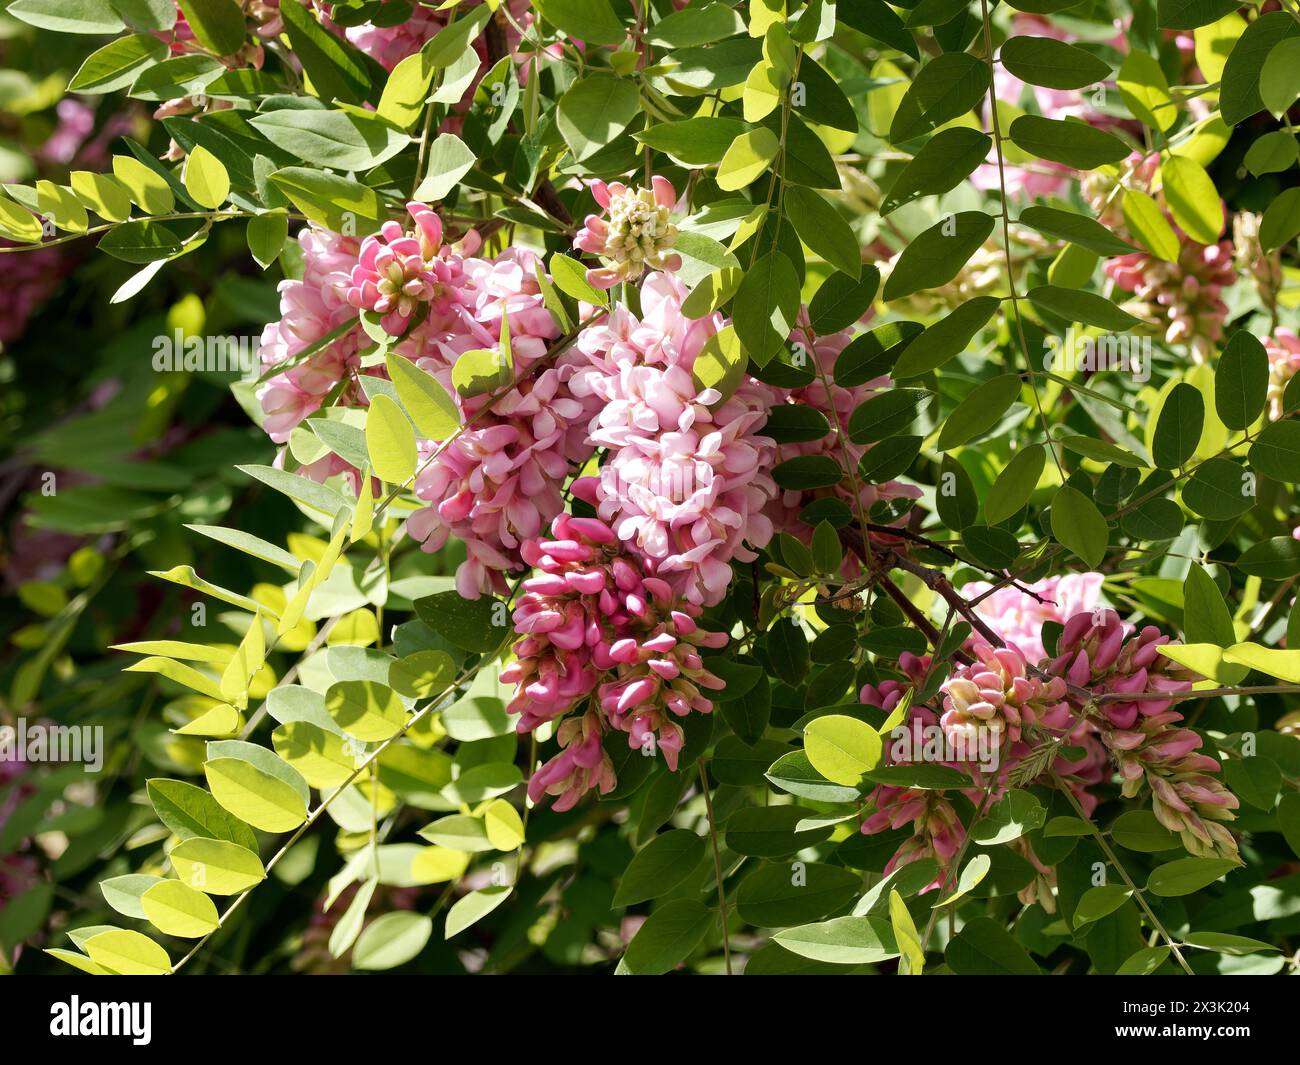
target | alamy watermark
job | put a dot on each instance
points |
(914, 743)
(204, 354)
(1109, 352)
(53, 743)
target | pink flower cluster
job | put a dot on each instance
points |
(1138, 725)
(685, 481)
(1108, 692)
(1183, 297)
(636, 235)
(599, 627)
(998, 693)
(499, 481)
(398, 270)
(1018, 616)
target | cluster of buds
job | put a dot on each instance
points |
(1183, 298)
(594, 621)
(399, 269)
(1136, 685)
(998, 693)
(637, 235)
(937, 831)
(1283, 349)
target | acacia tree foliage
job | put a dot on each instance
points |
(690, 424)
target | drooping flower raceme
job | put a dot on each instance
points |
(1134, 684)
(685, 481)
(599, 627)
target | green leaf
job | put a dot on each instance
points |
(335, 139)
(842, 941)
(336, 69)
(1274, 559)
(721, 365)
(1272, 153)
(390, 441)
(1218, 489)
(667, 937)
(1241, 381)
(770, 831)
(946, 338)
(1226, 943)
(365, 709)
(68, 16)
(936, 256)
(217, 24)
(842, 748)
(472, 908)
(1239, 85)
(1178, 429)
(140, 241)
(217, 866)
(178, 910)
(266, 236)
(1276, 451)
(592, 21)
(1288, 820)
(984, 948)
(1073, 143)
(945, 88)
(696, 25)
(1145, 90)
(1184, 876)
(942, 164)
(1074, 305)
(1076, 228)
(1144, 962)
(748, 157)
(1010, 818)
(1279, 81)
(808, 472)
(449, 161)
(1189, 14)
(1281, 221)
(777, 896)
(1015, 484)
(979, 412)
(594, 111)
(1097, 902)
(1052, 63)
(392, 939)
(403, 99)
(693, 141)
(765, 306)
(189, 811)
(254, 795)
(1206, 617)
(1149, 225)
(1078, 524)
(1192, 198)
(660, 866)
(1138, 830)
(128, 953)
(147, 189)
(842, 300)
(472, 624)
(823, 229)
(335, 202)
(116, 65)
(123, 893)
